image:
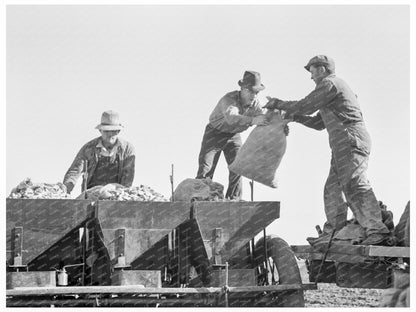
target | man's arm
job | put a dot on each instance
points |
(314, 122)
(127, 175)
(233, 117)
(324, 93)
(74, 171)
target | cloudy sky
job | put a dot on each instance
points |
(164, 68)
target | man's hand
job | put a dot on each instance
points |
(68, 187)
(288, 117)
(286, 130)
(273, 103)
(260, 120)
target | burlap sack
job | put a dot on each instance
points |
(198, 189)
(260, 155)
(100, 191)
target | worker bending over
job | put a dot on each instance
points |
(109, 159)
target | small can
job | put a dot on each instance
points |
(62, 278)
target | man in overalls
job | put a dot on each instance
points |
(339, 112)
(106, 159)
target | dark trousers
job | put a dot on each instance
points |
(213, 143)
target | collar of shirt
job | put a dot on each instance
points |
(105, 152)
(329, 76)
(240, 103)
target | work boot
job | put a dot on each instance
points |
(323, 238)
(376, 239)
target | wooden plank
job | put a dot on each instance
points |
(146, 278)
(385, 251)
(361, 250)
(30, 279)
(270, 288)
(50, 291)
(307, 252)
(309, 286)
(123, 302)
(335, 248)
(338, 257)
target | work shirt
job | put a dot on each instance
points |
(122, 154)
(104, 151)
(230, 116)
(339, 110)
(331, 93)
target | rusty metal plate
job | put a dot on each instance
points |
(44, 222)
(239, 221)
(145, 223)
(137, 241)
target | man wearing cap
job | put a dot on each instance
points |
(235, 112)
(108, 159)
(339, 112)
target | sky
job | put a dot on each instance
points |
(164, 68)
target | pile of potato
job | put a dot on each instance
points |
(28, 189)
(137, 193)
(116, 191)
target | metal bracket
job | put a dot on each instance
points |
(217, 243)
(17, 245)
(17, 250)
(120, 247)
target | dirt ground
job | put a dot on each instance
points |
(330, 295)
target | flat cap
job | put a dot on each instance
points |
(321, 60)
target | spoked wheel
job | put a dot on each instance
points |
(281, 269)
(267, 273)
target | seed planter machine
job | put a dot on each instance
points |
(68, 252)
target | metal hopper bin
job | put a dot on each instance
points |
(130, 253)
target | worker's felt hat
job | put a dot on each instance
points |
(251, 80)
(109, 121)
(321, 60)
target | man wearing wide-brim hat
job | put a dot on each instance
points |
(106, 159)
(340, 114)
(235, 112)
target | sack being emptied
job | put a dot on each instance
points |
(262, 152)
